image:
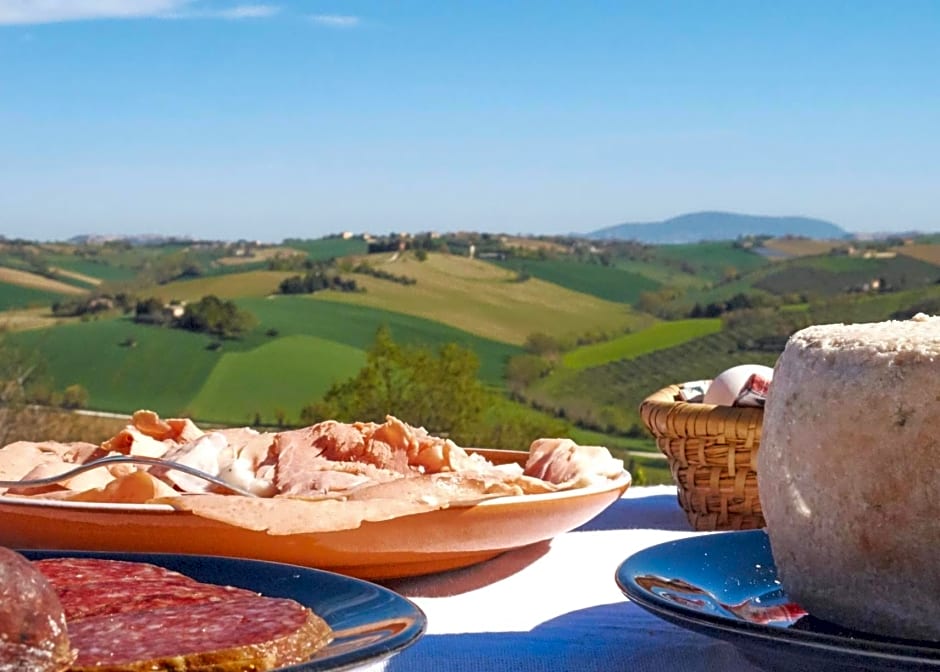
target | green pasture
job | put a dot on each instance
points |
(162, 372)
(94, 267)
(298, 350)
(710, 259)
(611, 283)
(16, 296)
(660, 274)
(483, 299)
(282, 375)
(656, 337)
(355, 326)
(838, 275)
(328, 248)
(224, 286)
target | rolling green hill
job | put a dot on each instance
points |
(651, 339)
(17, 296)
(486, 300)
(328, 248)
(610, 283)
(356, 326)
(312, 345)
(281, 375)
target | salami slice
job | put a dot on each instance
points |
(104, 597)
(32, 624)
(244, 632)
(72, 571)
(136, 617)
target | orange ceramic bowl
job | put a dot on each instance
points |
(405, 546)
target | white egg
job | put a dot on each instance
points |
(726, 386)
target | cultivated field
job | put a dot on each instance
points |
(483, 299)
(653, 338)
(227, 286)
(803, 247)
(609, 283)
(29, 280)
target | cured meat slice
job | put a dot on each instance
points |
(135, 617)
(74, 571)
(103, 598)
(249, 632)
(32, 624)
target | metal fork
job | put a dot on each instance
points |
(126, 459)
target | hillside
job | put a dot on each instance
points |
(702, 226)
(483, 299)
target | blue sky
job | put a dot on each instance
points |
(227, 119)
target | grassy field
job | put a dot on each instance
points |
(355, 326)
(313, 345)
(224, 286)
(259, 255)
(802, 247)
(17, 297)
(710, 260)
(328, 248)
(29, 280)
(483, 299)
(605, 282)
(655, 337)
(163, 372)
(19, 319)
(281, 375)
(100, 268)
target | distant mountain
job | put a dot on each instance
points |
(698, 226)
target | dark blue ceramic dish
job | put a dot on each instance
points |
(725, 585)
(370, 623)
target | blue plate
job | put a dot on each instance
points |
(725, 585)
(369, 623)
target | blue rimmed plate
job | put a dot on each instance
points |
(725, 585)
(370, 623)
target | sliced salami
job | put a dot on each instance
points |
(135, 617)
(101, 598)
(244, 632)
(72, 571)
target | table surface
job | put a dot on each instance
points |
(556, 606)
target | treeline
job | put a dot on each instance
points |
(91, 305)
(317, 281)
(367, 269)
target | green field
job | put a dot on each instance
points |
(483, 299)
(710, 260)
(173, 371)
(629, 346)
(163, 372)
(96, 268)
(281, 375)
(16, 296)
(356, 326)
(605, 282)
(328, 248)
(225, 285)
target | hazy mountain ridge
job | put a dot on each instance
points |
(700, 226)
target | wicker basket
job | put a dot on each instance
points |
(712, 454)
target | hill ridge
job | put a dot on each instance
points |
(719, 225)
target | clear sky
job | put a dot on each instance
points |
(308, 117)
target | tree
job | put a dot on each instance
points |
(436, 390)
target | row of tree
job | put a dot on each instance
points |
(317, 281)
(210, 315)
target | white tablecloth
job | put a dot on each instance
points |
(555, 605)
